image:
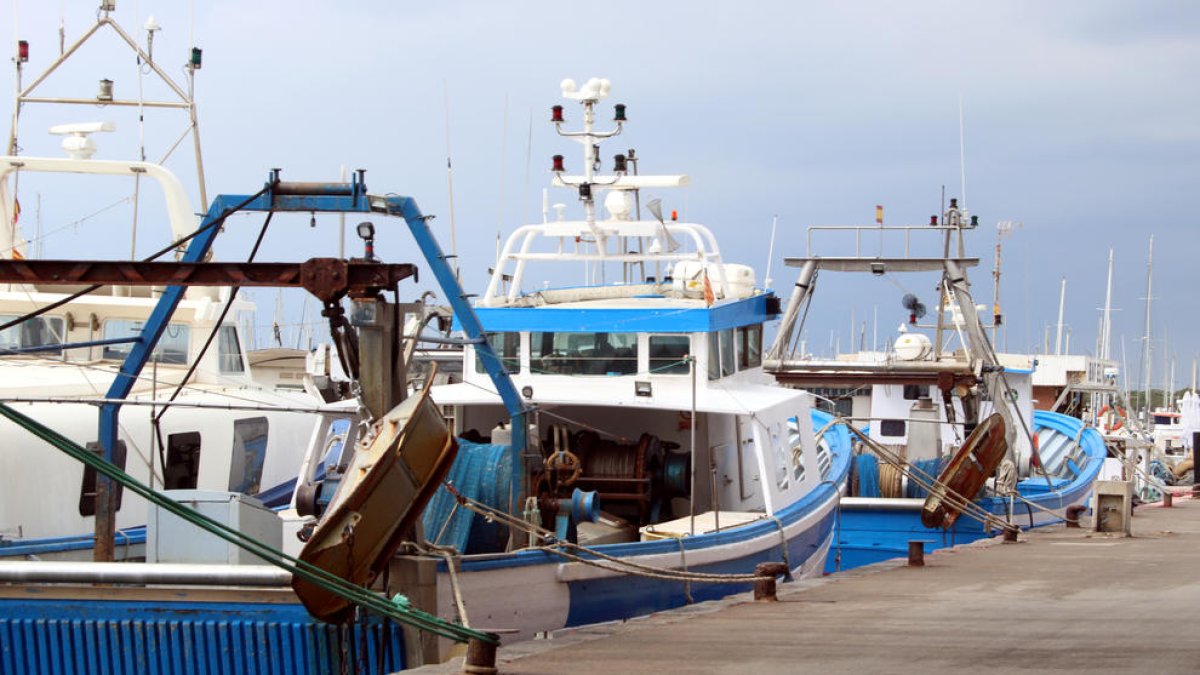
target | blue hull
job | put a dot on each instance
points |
(867, 536)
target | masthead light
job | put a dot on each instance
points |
(556, 113)
(557, 166)
(619, 113)
(23, 51)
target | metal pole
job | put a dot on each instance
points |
(692, 435)
(1062, 301)
(1195, 461)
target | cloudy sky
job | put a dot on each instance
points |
(1080, 122)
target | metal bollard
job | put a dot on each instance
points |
(916, 553)
(1196, 463)
(1010, 534)
(481, 658)
(1168, 500)
(764, 585)
(1074, 513)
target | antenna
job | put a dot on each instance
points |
(503, 153)
(771, 251)
(450, 178)
(962, 152)
(655, 208)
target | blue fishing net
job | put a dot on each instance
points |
(482, 472)
(866, 467)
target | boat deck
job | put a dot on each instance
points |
(1060, 600)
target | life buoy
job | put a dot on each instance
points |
(1111, 422)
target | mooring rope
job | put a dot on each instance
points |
(602, 560)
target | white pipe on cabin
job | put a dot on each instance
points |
(44, 571)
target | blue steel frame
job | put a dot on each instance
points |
(324, 198)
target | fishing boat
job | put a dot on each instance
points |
(129, 393)
(205, 413)
(652, 462)
(915, 405)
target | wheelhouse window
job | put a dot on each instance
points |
(36, 332)
(668, 354)
(172, 347)
(749, 343)
(721, 356)
(249, 454)
(896, 428)
(229, 350)
(583, 353)
(183, 461)
(507, 346)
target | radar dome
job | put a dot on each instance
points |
(913, 347)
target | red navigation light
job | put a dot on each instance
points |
(674, 215)
(23, 51)
(556, 113)
(912, 318)
(558, 164)
(933, 220)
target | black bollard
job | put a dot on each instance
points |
(916, 553)
(764, 585)
(481, 658)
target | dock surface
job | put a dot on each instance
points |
(1060, 600)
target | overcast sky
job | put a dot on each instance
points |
(1080, 123)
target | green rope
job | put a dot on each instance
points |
(317, 576)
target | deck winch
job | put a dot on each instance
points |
(633, 480)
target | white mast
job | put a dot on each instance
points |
(1146, 334)
(1106, 329)
(1058, 335)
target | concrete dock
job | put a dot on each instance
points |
(1060, 600)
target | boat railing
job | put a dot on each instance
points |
(877, 230)
(577, 242)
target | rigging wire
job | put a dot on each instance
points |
(217, 325)
(154, 256)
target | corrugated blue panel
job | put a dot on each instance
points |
(116, 637)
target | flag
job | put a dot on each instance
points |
(879, 214)
(15, 252)
(709, 296)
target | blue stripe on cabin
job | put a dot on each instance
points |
(727, 314)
